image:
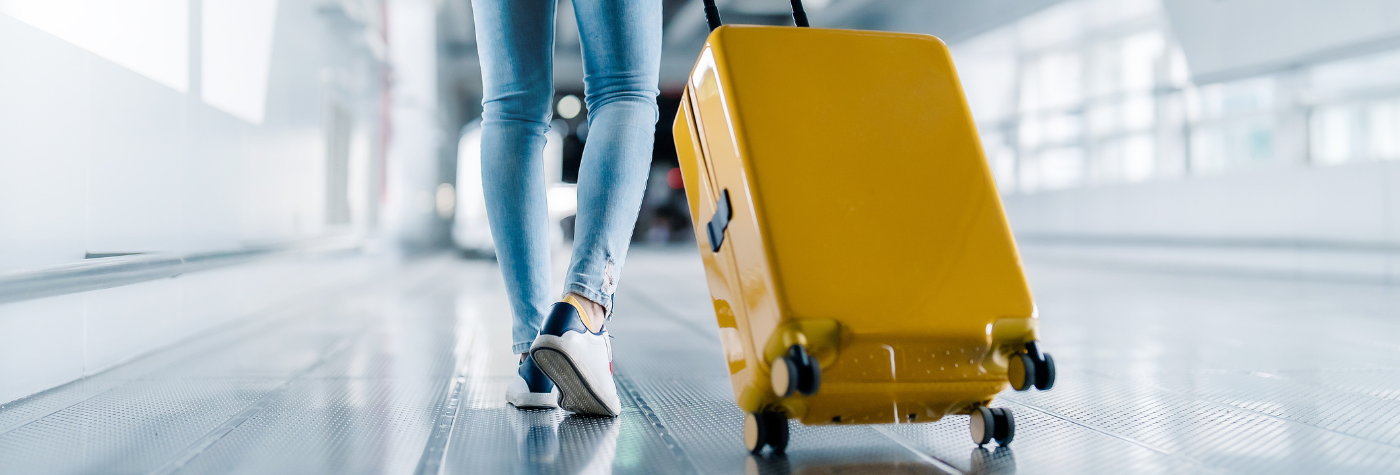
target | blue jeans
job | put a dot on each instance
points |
(622, 61)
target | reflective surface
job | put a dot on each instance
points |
(1160, 373)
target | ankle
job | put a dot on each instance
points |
(595, 309)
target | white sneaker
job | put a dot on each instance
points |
(578, 360)
(531, 388)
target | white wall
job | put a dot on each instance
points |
(1334, 222)
(51, 341)
(96, 157)
(1350, 204)
(150, 126)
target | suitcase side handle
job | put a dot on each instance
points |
(799, 16)
(720, 221)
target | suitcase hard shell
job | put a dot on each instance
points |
(845, 212)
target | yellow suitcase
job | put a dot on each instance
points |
(860, 265)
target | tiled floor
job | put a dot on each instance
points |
(1159, 372)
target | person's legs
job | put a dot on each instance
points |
(515, 41)
(622, 62)
(622, 57)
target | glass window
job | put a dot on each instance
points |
(1236, 143)
(1332, 134)
(1126, 159)
(1092, 92)
(992, 60)
(1383, 129)
(1354, 132)
(1057, 168)
(1001, 157)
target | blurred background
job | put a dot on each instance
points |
(181, 126)
(152, 138)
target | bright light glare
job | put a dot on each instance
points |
(150, 37)
(570, 106)
(446, 200)
(236, 56)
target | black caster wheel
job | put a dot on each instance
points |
(982, 425)
(1021, 372)
(1044, 366)
(987, 424)
(768, 428)
(1045, 373)
(795, 372)
(1005, 429)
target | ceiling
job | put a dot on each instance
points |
(685, 28)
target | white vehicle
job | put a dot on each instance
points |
(470, 230)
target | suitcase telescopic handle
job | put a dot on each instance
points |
(799, 16)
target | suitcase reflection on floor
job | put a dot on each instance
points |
(1001, 461)
(493, 438)
(779, 465)
(983, 462)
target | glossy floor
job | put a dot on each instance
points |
(1160, 373)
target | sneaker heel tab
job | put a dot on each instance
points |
(578, 306)
(564, 317)
(583, 314)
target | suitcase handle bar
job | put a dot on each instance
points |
(799, 16)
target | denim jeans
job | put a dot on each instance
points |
(622, 60)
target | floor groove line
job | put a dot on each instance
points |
(189, 453)
(435, 451)
(655, 425)
(925, 456)
(1123, 438)
(1229, 406)
(264, 323)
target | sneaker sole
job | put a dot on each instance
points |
(533, 400)
(575, 394)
